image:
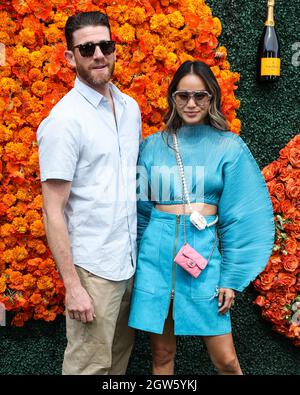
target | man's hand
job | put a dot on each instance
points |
(79, 304)
(226, 300)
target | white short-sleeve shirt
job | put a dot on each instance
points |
(80, 141)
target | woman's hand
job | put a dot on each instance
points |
(226, 300)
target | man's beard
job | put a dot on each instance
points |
(86, 75)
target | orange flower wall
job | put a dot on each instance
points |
(153, 38)
(279, 283)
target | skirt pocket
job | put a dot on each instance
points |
(148, 258)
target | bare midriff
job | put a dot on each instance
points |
(202, 208)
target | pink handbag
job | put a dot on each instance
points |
(190, 260)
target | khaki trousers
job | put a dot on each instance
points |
(104, 346)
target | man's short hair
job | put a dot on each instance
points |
(83, 19)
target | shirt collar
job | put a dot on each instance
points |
(94, 97)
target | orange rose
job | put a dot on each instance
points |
(293, 188)
(291, 246)
(260, 300)
(270, 171)
(287, 208)
(285, 280)
(294, 157)
(276, 262)
(279, 191)
(266, 280)
(290, 263)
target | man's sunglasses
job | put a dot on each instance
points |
(87, 50)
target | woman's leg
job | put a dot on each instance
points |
(164, 348)
(222, 354)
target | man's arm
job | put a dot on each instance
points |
(55, 196)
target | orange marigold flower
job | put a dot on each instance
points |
(44, 283)
(171, 60)
(235, 126)
(118, 13)
(159, 22)
(20, 266)
(14, 277)
(2, 284)
(16, 102)
(37, 229)
(27, 37)
(184, 57)
(5, 38)
(20, 253)
(35, 298)
(8, 86)
(126, 33)
(217, 29)
(36, 58)
(8, 256)
(138, 56)
(47, 266)
(21, 6)
(24, 195)
(160, 52)
(29, 281)
(189, 45)
(5, 134)
(9, 199)
(7, 23)
(185, 34)
(20, 225)
(38, 246)
(136, 15)
(225, 65)
(37, 202)
(41, 10)
(176, 19)
(6, 230)
(5, 71)
(53, 34)
(60, 19)
(21, 55)
(39, 88)
(33, 264)
(162, 103)
(34, 159)
(35, 74)
(49, 315)
(16, 151)
(32, 215)
(216, 70)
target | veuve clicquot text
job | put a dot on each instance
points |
(268, 50)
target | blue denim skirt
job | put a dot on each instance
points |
(158, 280)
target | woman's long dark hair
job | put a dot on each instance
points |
(215, 116)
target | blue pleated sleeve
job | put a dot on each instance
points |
(246, 221)
(144, 203)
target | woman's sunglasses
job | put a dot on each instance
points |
(181, 98)
(87, 50)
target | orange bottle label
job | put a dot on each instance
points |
(270, 66)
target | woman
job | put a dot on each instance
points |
(224, 184)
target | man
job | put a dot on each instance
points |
(88, 148)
